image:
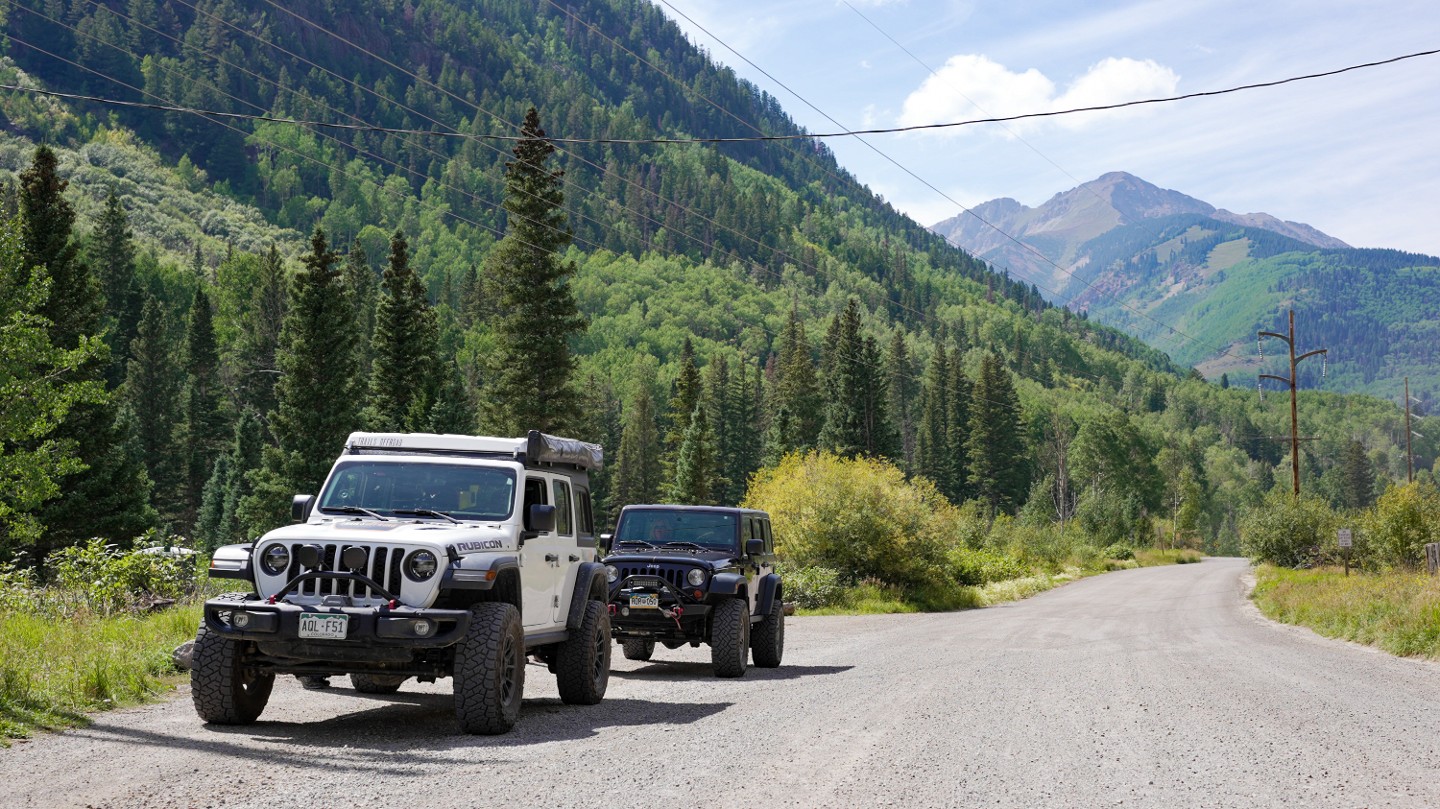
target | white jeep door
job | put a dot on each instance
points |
(540, 560)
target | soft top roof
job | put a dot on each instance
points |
(533, 449)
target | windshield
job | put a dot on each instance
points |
(708, 529)
(463, 492)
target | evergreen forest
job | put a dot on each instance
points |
(483, 237)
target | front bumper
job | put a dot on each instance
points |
(382, 626)
(678, 616)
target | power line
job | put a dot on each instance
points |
(732, 139)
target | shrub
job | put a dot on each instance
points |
(812, 587)
(1119, 551)
(979, 567)
(858, 516)
(102, 579)
(1287, 531)
(1394, 533)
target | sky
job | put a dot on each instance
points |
(1356, 156)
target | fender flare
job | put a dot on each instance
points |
(770, 590)
(591, 584)
(728, 584)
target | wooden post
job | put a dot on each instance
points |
(1432, 558)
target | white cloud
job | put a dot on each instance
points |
(974, 86)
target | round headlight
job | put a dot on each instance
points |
(276, 559)
(696, 576)
(611, 573)
(421, 565)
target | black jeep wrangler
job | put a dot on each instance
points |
(696, 574)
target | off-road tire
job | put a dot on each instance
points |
(490, 670)
(730, 637)
(767, 640)
(224, 691)
(582, 663)
(381, 683)
(638, 648)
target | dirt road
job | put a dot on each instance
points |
(1154, 687)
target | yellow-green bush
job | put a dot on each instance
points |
(858, 516)
(1394, 533)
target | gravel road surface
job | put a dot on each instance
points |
(1157, 687)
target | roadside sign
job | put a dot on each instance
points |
(1344, 536)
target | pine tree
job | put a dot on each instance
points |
(360, 281)
(684, 399)
(999, 474)
(637, 463)
(152, 396)
(956, 459)
(316, 408)
(903, 391)
(536, 309)
(797, 389)
(405, 375)
(112, 254)
(260, 339)
(855, 420)
(204, 426)
(36, 397)
(1358, 476)
(110, 498)
(693, 482)
(932, 435)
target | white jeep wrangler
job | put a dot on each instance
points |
(424, 556)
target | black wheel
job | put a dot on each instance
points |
(381, 683)
(638, 648)
(730, 637)
(767, 642)
(490, 669)
(582, 663)
(226, 691)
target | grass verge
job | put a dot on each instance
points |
(1153, 557)
(1397, 612)
(54, 670)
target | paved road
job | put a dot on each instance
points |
(1156, 687)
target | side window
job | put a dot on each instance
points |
(564, 524)
(584, 515)
(534, 496)
(769, 540)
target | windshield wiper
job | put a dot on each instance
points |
(426, 512)
(353, 510)
(681, 544)
(642, 543)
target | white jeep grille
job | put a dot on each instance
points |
(382, 565)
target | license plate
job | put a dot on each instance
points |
(648, 601)
(323, 626)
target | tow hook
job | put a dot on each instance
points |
(612, 609)
(674, 614)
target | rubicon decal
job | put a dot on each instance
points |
(478, 545)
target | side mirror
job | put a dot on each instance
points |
(754, 547)
(301, 506)
(605, 542)
(541, 518)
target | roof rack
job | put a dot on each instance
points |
(535, 449)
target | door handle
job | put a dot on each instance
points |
(574, 558)
(552, 557)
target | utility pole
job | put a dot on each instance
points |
(1294, 406)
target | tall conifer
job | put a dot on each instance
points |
(406, 372)
(110, 498)
(637, 463)
(999, 474)
(112, 254)
(316, 407)
(529, 282)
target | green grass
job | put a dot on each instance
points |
(1152, 557)
(54, 670)
(1397, 612)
